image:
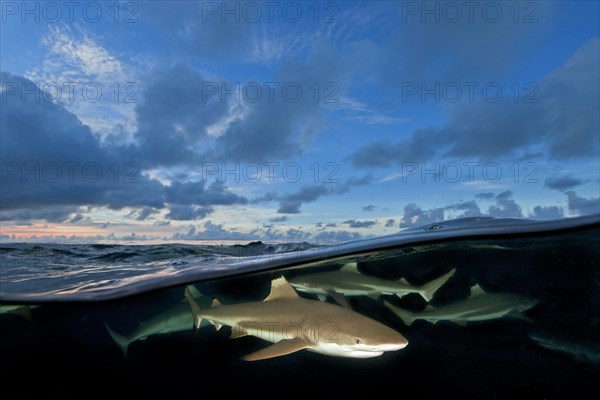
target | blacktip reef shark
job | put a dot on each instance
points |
(176, 319)
(21, 310)
(294, 323)
(348, 281)
(582, 352)
(480, 306)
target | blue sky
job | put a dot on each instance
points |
(288, 121)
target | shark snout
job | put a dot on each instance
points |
(393, 346)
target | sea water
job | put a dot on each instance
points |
(57, 342)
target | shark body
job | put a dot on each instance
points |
(349, 282)
(21, 310)
(480, 306)
(175, 319)
(294, 323)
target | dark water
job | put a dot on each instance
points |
(553, 353)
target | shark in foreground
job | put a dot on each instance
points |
(480, 306)
(176, 319)
(349, 282)
(294, 323)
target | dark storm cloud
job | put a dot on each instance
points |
(352, 223)
(562, 118)
(288, 120)
(562, 183)
(549, 212)
(52, 163)
(173, 116)
(198, 193)
(582, 206)
(291, 203)
(390, 223)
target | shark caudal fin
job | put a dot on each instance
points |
(428, 290)
(406, 316)
(122, 341)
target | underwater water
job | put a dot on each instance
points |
(489, 308)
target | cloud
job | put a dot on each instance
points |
(173, 117)
(549, 212)
(469, 208)
(505, 206)
(415, 216)
(484, 196)
(561, 119)
(370, 207)
(283, 218)
(180, 212)
(329, 237)
(52, 164)
(562, 183)
(291, 203)
(390, 223)
(352, 223)
(143, 213)
(582, 206)
(213, 231)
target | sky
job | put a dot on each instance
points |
(293, 121)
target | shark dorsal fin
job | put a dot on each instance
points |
(350, 267)
(404, 281)
(429, 307)
(194, 292)
(216, 303)
(280, 288)
(476, 290)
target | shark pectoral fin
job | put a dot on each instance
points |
(322, 297)
(238, 332)
(460, 322)
(516, 314)
(339, 298)
(281, 348)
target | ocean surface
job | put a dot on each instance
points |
(74, 316)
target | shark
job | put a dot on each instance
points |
(582, 352)
(176, 319)
(348, 281)
(21, 310)
(293, 323)
(480, 306)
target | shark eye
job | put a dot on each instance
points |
(358, 341)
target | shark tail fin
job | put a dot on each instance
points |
(406, 316)
(120, 340)
(24, 312)
(196, 310)
(428, 290)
